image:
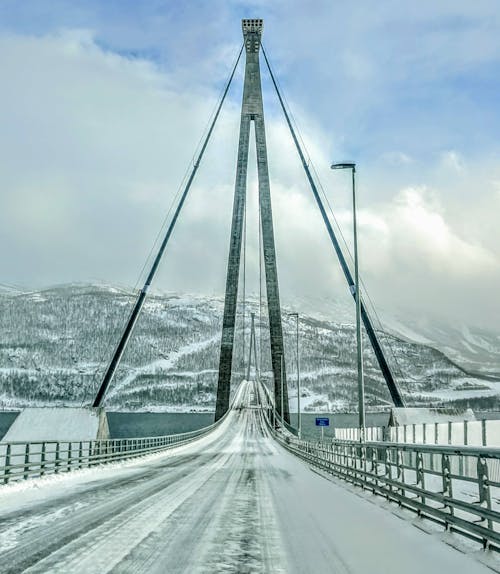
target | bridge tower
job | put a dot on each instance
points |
(251, 111)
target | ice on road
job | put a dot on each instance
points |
(234, 501)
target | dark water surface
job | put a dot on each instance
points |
(124, 425)
(133, 425)
(6, 419)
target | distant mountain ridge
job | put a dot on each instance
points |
(474, 348)
(55, 344)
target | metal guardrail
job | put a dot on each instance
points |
(23, 460)
(482, 432)
(455, 486)
(267, 401)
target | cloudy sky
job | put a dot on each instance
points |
(103, 104)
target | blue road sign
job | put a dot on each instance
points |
(322, 422)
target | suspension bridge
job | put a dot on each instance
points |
(248, 493)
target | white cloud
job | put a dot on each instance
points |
(94, 146)
(418, 221)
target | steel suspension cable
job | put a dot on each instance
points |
(391, 383)
(365, 290)
(133, 294)
(395, 361)
(154, 268)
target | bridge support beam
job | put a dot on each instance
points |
(252, 110)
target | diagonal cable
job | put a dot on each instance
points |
(134, 315)
(384, 366)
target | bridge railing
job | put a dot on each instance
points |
(267, 401)
(473, 433)
(456, 486)
(23, 460)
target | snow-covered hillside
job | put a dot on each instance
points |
(55, 343)
(474, 348)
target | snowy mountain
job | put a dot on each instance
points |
(475, 349)
(55, 345)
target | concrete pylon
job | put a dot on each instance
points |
(251, 110)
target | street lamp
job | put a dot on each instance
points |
(299, 422)
(356, 291)
(282, 390)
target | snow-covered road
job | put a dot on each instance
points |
(233, 501)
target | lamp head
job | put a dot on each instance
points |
(343, 165)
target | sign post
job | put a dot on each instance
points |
(322, 422)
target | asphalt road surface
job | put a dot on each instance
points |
(233, 501)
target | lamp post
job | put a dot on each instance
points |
(299, 421)
(282, 389)
(357, 294)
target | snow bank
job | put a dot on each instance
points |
(58, 423)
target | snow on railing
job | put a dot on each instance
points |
(472, 433)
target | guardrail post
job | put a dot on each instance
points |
(68, 465)
(374, 468)
(414, 433)
(388, 471)
(364, 454)
(57, 460)
(466, 437)
(424, 433)
(447, 482)
(80, 454)
(436, 432)
(483, 431)
(400, 471)
(449, 432)
(420, 473)
(483, 484)
(42, 459)
(6, 471)
(26, 461)
(355, 451)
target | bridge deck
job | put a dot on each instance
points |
(234, 501)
